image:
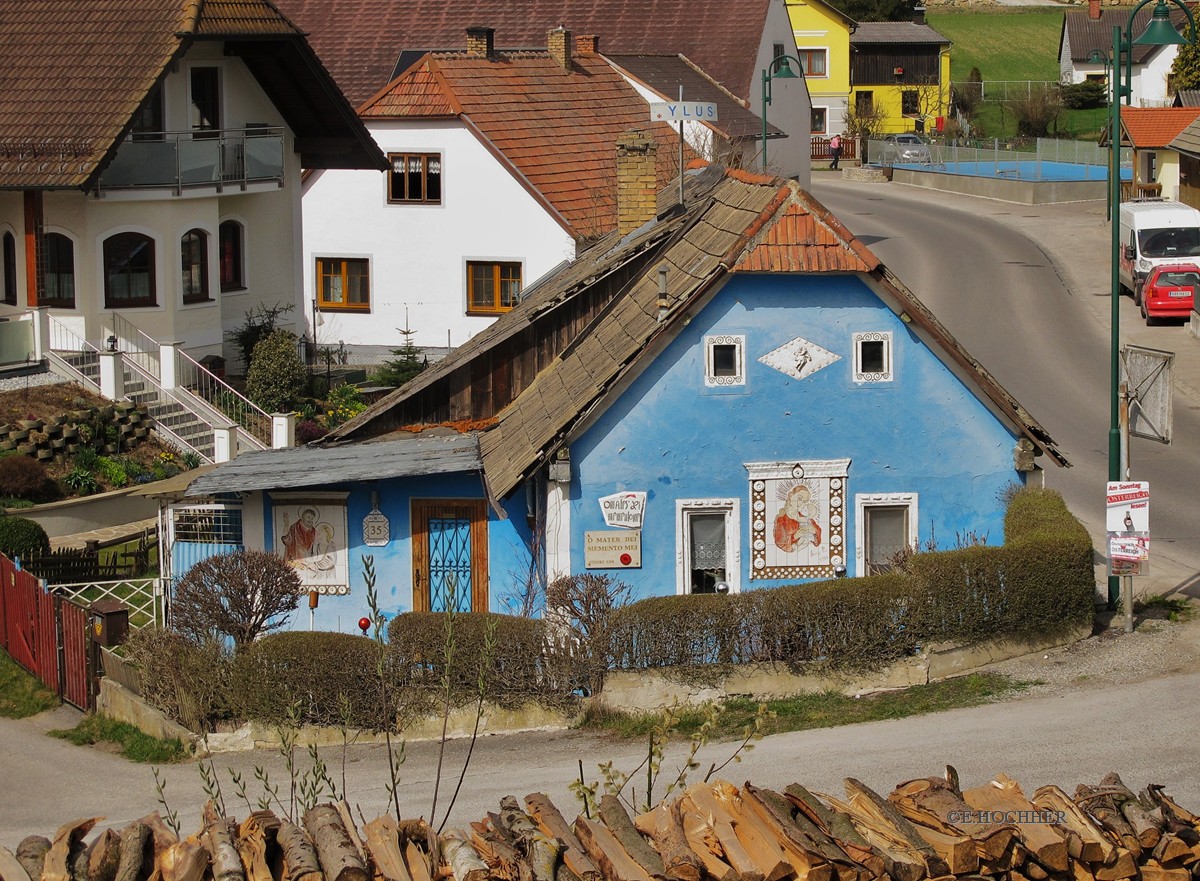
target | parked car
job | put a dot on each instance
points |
(905, 148)
(1170, 291)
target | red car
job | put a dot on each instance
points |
(1170, 291)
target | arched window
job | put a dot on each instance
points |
(10, 269)
(193, 253)
(58, 275)
(129, 271)
(233, 276)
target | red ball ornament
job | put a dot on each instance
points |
(364, 624)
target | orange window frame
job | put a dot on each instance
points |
(333, 271)
(501, 281)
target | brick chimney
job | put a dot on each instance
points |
(637, 182)
(481, 42)
(918, 15)
(558, 44)
(1094, 10)
(587, 44)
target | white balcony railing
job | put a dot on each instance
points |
(187, 160)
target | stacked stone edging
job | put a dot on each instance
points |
(61, 436)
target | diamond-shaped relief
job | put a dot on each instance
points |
(799, 358)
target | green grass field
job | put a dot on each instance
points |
(1004, 45)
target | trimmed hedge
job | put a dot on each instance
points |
(328, 677)
(20, 536)
(188, 681)
(1040, 582)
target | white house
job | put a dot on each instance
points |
(501, 166)
(150, 164)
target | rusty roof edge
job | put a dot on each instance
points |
(999, 396)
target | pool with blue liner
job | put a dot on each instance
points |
(1030, 170)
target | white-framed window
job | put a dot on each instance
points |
(724, 360)
(820, 120)
(707, 549)
(885, 524)
(873, 361)
(814, 61)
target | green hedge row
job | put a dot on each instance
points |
(1040, 581)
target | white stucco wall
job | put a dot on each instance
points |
(1150, 83)
(269, 215)
(791, 109)
(419, 253)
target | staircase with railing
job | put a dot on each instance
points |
(185, 399)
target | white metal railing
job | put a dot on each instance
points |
(143, 596)
(179, 160)
(1003, 90)
(74, 353)
(195, 378)
(136, 345)
(203, 443)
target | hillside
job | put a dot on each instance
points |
(1004, 44)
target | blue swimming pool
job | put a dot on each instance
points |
(1018, 170)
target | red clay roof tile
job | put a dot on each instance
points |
(1147, 127)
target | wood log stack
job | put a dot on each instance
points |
(927, 829)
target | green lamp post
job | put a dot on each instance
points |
(780, 68)
(1160, 32)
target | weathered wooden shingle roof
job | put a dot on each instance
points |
(74, 73)
(360, 40)
(736, 222)
(900, 32)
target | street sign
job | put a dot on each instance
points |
(1148, 373)
(683, 111)
(1128, 523)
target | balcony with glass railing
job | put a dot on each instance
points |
(214, 159)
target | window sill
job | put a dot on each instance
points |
(414, 202)
(234, 289)
(489, 313)
(130, 304)
(57, 304)
(343, 307)
(197, 301)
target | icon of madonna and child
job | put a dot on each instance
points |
(798, 529)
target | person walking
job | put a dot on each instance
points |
(835, 150)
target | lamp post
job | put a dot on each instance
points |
(1159, 32)
(780, 68)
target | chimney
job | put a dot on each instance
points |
(918, 15)
(637, 182)
(587, 44)
(1094, 10)
(481, 42)
(558, 44)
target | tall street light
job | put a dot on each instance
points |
(780, 68)
(1160, 32)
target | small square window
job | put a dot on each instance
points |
(873, 356)
(344, 284)
(820, 120)
(724, 360)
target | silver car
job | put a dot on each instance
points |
(905, 148)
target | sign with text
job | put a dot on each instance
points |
(1128, 524)
(683, 111)
(624, 510)
(604, 549)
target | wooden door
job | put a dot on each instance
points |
(450, 562)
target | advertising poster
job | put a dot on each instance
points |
(1128, 525)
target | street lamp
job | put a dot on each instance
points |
(1159, 32)
(780, 68)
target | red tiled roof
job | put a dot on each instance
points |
(799, 240)
(558, 130)
(360, 40)
(1148, 127)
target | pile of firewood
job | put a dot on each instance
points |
(926, 829)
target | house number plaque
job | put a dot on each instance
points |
(377, 532)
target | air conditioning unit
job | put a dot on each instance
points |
(898, 71)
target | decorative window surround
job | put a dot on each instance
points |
(718, 375)
(774, 555)
(684, 509)
(886, 500)
(873, 356)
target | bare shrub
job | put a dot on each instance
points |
(582, 606)
(241, 596)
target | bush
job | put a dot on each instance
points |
(21, 536)
(82, 481)
(1084, 96)
(342, 404)
(1040, 582)
(583, 605)
(522, 669)
(276, 376)
(189, 681)
(87, 458)
(257, 325)
(240, 595)
(112, 471)
(24, 478)
(309, 430)
(331, 676)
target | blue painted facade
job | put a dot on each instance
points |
(922, 433)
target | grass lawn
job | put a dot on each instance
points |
(21, 693)
(135, 745)
(825, 710)
(1003, 44)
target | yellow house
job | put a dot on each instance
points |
(822, 34)
(900, 74)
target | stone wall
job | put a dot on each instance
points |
(64, 435)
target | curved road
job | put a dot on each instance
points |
(1036, 316)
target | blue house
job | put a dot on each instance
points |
(734, 395)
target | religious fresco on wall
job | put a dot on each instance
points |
(798, 518)
(311, 536)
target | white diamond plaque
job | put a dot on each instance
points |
(799, 358)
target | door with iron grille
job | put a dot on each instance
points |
(450, 555)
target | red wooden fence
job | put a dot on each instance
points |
(820, 148)
(45, 634)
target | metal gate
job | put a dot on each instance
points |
(45, 634)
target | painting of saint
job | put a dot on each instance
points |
(311, 537)
(796, 529)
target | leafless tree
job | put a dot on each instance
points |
(240, 595)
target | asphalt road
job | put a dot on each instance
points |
(1025, 290)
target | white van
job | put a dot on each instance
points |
(1153, 232)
